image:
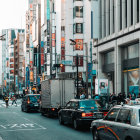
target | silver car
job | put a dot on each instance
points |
(121, 123)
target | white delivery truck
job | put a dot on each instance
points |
(55, 93)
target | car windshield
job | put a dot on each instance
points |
(34, 98)
(88, 104)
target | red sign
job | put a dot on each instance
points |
(42, 56)
(79, 44)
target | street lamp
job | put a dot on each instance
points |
(73, 42)
(2, 37)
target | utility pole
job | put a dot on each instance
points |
(86, 70)
(91, 66)
(77, 60)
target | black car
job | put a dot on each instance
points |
(80, 112)
(30, 102)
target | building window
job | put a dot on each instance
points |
(78, 11)
(120, 14)
(131, 52)
(11, 54)
(11, 59)
(109, 57)
(78, 28)
(11, 65)
(11, 71)
(80, 61)
(126, 12)
(137, 10)
(131, 12)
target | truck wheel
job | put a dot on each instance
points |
(95, 135)
(75, 124)
(60, 120)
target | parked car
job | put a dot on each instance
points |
(121, 123)
(80, 112)
(30, 102)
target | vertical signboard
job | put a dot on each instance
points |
(63, 52)
(42, 53)
(16, 76)
(53, 39)
(48, 9)
(35, 76)
(89, 70)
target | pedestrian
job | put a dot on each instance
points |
(14, 101)
(82, 96)
(133, 96)
(129, 96)
(6, 101)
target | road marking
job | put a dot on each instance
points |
(27, 125)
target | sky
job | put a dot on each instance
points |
(12, 13)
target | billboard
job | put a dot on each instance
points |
(101, 86)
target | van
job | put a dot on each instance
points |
(31, 102)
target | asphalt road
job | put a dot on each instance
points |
(17, 125)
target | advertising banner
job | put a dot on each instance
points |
(42, 53)
(133, 81)
(79, 44)
(101, 86)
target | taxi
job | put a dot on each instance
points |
(121, 123)
(80, 112)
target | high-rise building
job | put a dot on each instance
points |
(66, 20)
(8, 58)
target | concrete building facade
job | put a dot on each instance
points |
(118, 47)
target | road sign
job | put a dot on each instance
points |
(66, 62)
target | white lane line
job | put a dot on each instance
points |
(20, 130)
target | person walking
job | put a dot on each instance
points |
(6, 101)
(14, 101)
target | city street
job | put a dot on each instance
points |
(17, 125)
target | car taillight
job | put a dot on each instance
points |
(53, 109)
(28, 102)
(87, 114)
(105, 113)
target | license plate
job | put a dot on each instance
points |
(36, 105)
(99, 115)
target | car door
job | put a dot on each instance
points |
(123, 123)
(105, 127)
(65, 112)
(72, 112)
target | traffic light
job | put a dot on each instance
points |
(61, 65)
(58, 65)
